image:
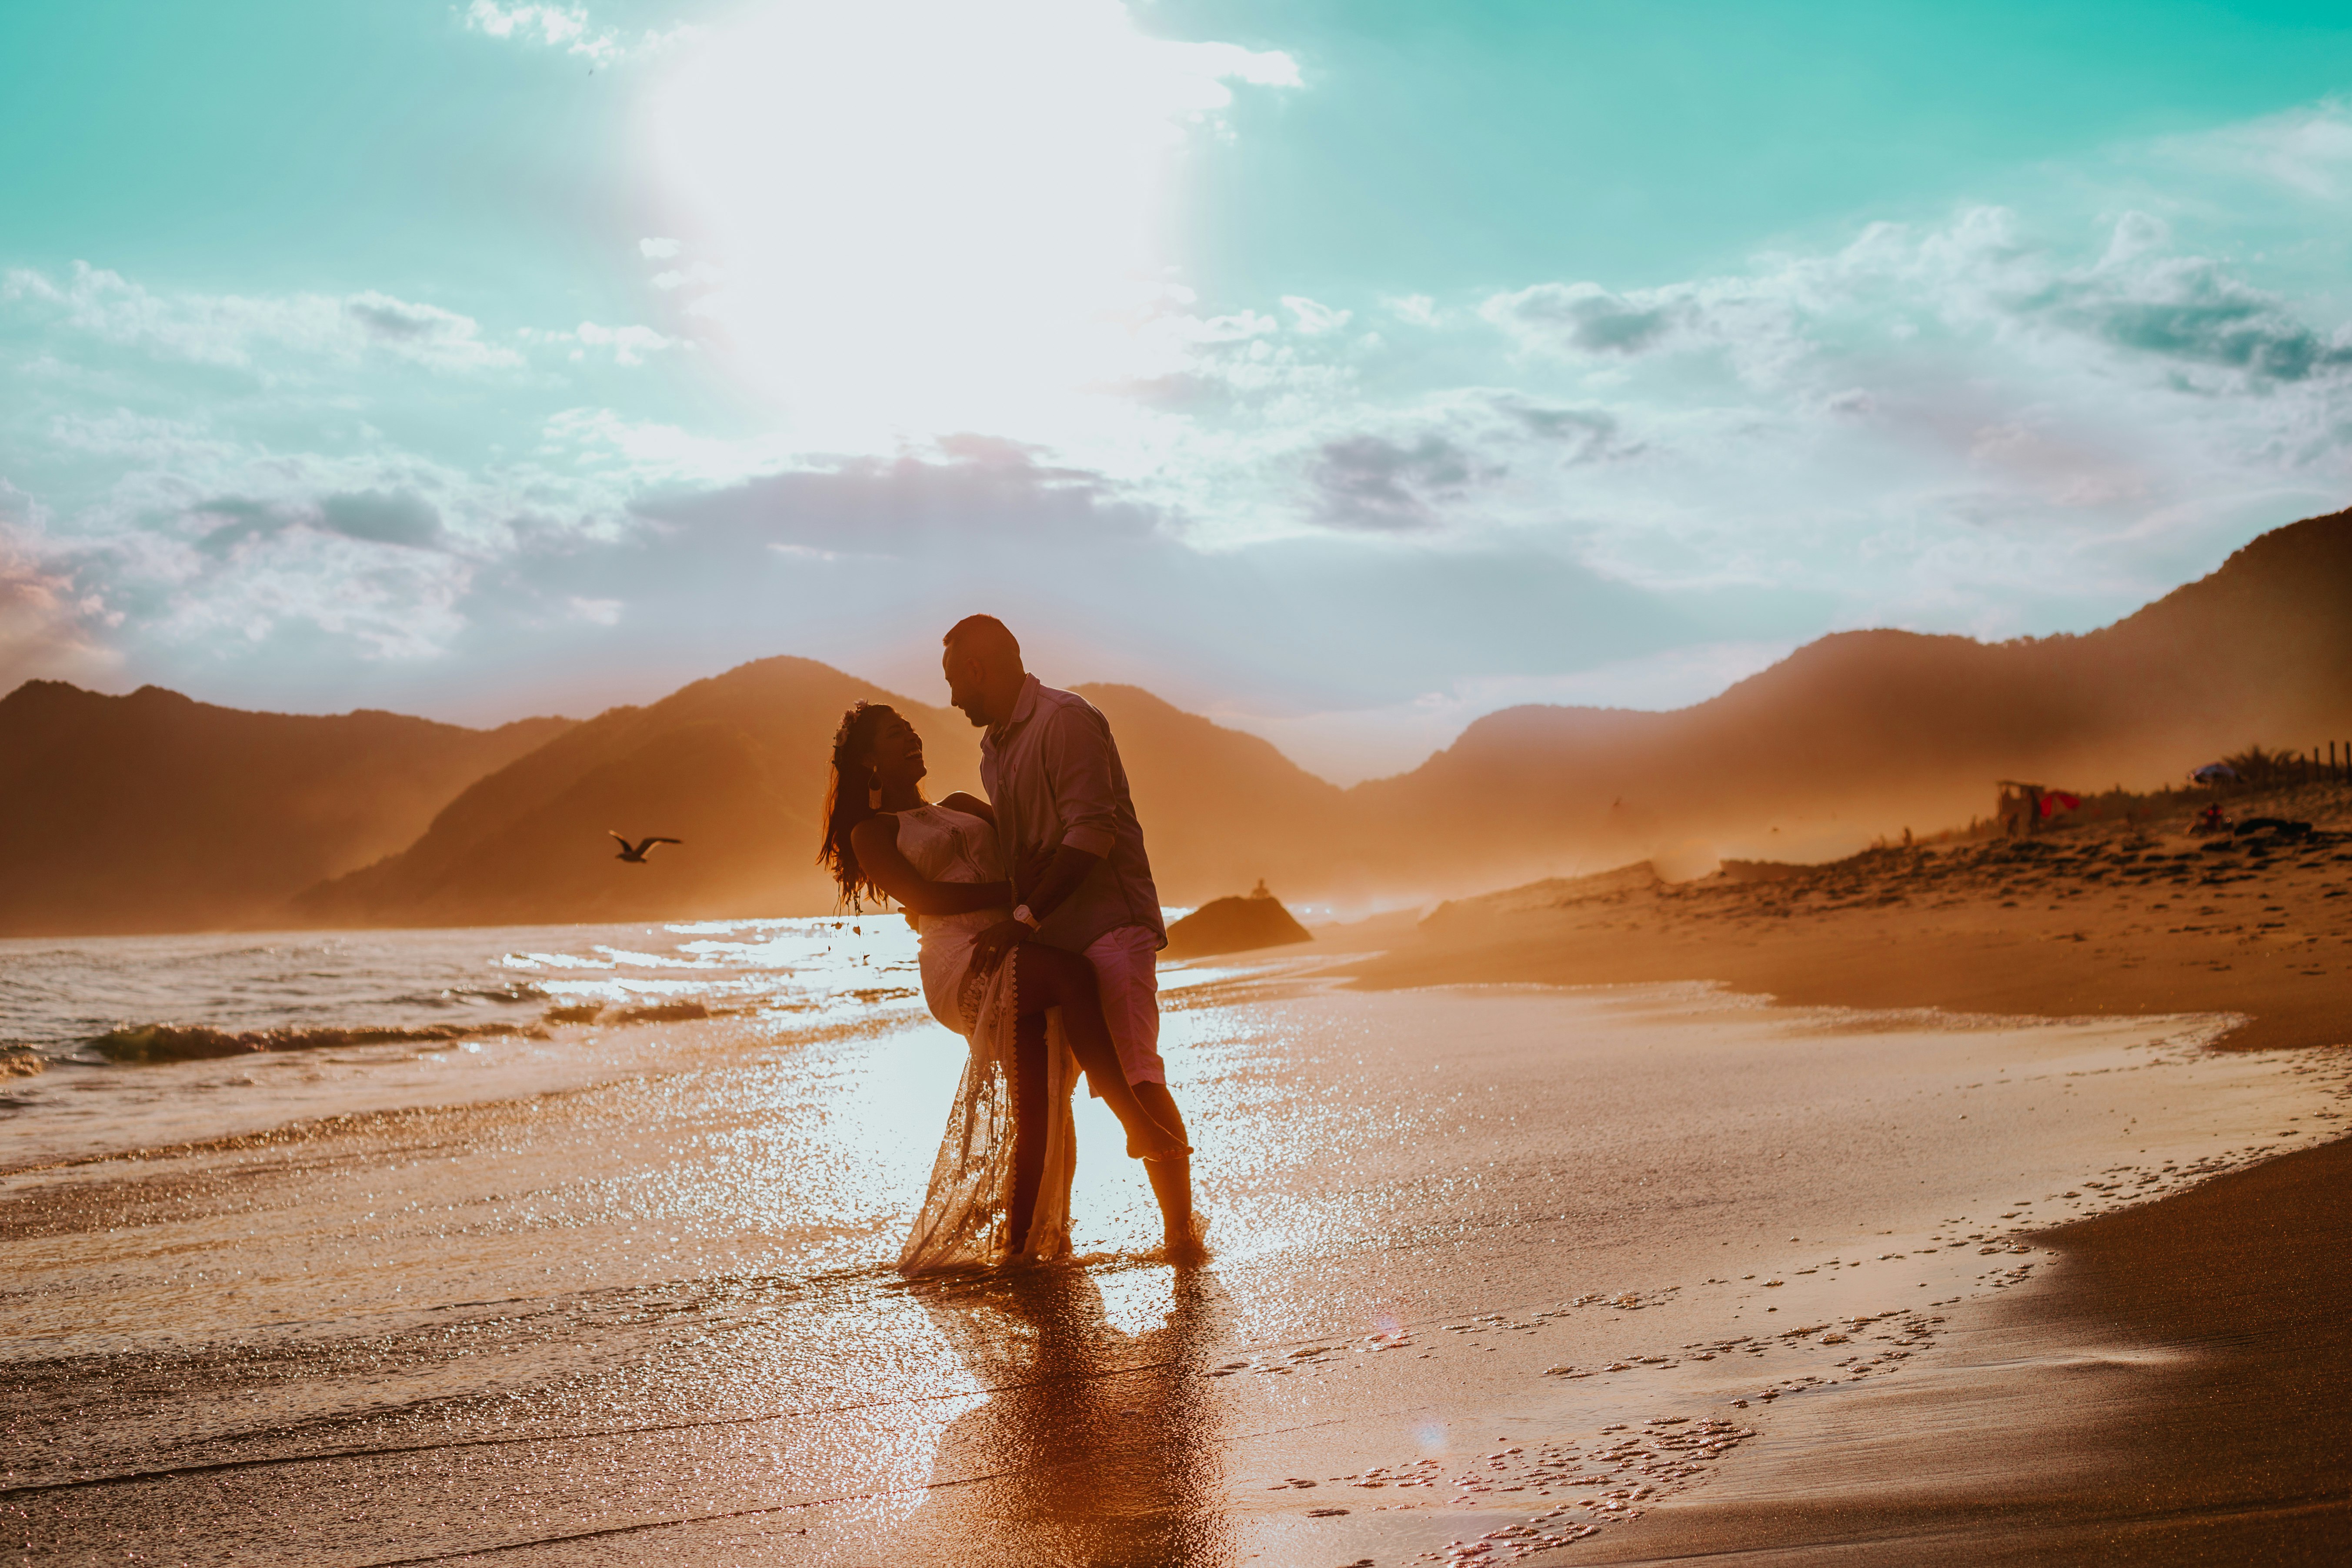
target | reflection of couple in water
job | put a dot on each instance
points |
(1040, 931)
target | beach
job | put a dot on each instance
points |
(1502, 1270)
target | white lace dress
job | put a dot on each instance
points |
(964, 1217)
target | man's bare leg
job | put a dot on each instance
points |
(1049, 977)
(1171, 1179)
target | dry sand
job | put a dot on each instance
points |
(2104, 922)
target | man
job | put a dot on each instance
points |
(1081, 880)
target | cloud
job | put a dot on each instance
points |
(336, 582)
(235, 329)
(393, 517)
(628, 346)
(1981, 274)
(1580, 435)
(658, 250)
(2191, 311)
(2307, 150)
(1315, 320)
(974, 490)
(1372, 482)
(46, 625)
(373, 516)
(565, 28)
(1584, 318)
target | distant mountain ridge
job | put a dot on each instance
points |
(1866, 733)
(1221, 809)
(156, 812)
(1856, 734)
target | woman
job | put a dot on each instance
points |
(1000, 1188)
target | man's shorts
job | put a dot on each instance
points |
(1127, 974)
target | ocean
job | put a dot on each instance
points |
(126, 1042)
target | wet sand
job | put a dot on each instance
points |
(2175, 1394)
(1508, 1268)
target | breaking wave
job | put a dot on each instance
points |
(138, 1043)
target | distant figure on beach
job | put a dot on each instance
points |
(635, 854)
(1082, 883)
(1000, 1189)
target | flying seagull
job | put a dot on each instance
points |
(635, 854)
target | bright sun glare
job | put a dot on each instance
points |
(905, 217)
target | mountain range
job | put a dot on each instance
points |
(1864, 734)
(153, 812)
(734, 766)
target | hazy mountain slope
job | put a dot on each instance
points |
(735, 765)
(1864, 732)
(154, 813)
(1219, 808)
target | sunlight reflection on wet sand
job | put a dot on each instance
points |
(661, 1306)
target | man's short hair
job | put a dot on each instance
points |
(984, 636)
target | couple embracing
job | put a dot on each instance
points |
(1040, 931)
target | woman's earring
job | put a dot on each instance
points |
(874, 791)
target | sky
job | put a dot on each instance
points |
(1342, 371)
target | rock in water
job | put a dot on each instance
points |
(1235, 925)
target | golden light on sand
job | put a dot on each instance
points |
(920, 216)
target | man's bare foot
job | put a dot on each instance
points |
(1188, 1245)
(1156, 1142)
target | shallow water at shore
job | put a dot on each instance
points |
(132, 1042)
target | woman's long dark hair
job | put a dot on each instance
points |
(848, 801)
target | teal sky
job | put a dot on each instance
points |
(1344, 371)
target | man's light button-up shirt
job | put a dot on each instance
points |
(1052, 773)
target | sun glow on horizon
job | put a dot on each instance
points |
(909, 217)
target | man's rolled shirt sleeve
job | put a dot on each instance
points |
(1075, 750)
